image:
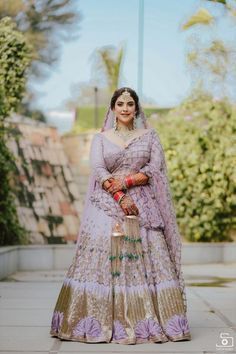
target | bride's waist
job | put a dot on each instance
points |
(123, 173)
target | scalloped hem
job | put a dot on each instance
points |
(140, 340)
(126, 341)
(81, 339)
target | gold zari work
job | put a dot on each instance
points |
(125, 305)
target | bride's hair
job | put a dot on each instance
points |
(119, 92)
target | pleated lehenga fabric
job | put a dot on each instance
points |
(143, 302)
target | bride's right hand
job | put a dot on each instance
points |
(128, 206)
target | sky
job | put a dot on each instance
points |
(166, 79)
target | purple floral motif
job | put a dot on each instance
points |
(148, 328)
(57, 319)
(119, 331)
(177, 325)
(88, 326)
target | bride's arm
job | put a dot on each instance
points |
(118, 184)
(97, 163)
(137, 179)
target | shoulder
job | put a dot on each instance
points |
(155, 138)
(151, 132)
(154, 132)
(97, 138)
(107, 132)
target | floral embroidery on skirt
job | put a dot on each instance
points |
(143, 304)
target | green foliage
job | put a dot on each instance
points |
(11, 232)
(223, 2)
(198, 139)
(14, 60)
(45, 24)
(35, 114)
(52, 221)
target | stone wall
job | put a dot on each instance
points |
(77, 149)
(47, 196)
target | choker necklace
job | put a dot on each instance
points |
(124, 134)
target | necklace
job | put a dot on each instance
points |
(124, 134)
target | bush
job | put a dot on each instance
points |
(11, 232)
(14, 60)
(198, 139)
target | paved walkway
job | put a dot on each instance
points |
(27, 301)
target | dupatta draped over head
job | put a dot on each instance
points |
(156, 170)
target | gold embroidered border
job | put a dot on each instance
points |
(128, 308)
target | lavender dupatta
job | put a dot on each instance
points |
(158, 178)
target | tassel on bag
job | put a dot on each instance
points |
(125, 242)
(116, 244)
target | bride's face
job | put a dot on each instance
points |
(125, 110)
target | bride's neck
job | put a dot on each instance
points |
(124, 128)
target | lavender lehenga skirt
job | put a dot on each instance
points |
(142, 304)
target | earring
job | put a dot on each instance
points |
(115, 122)
(135, 122)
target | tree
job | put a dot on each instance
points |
(45, 23)
(35, 114)
(212, 66)
(212, 61)
(205, 17)
(15, 57)
(108, 63)
(201, 17)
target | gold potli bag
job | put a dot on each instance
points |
(125, 242)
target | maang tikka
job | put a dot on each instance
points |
(126, 95)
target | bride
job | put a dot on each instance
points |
(125, 284)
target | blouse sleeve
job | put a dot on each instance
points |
(97, 163)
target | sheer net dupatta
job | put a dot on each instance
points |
(125, 243)
(156, 170)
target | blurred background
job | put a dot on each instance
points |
(61, 60)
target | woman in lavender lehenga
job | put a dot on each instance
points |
(122, 288)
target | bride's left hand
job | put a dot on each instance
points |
(115, 186)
